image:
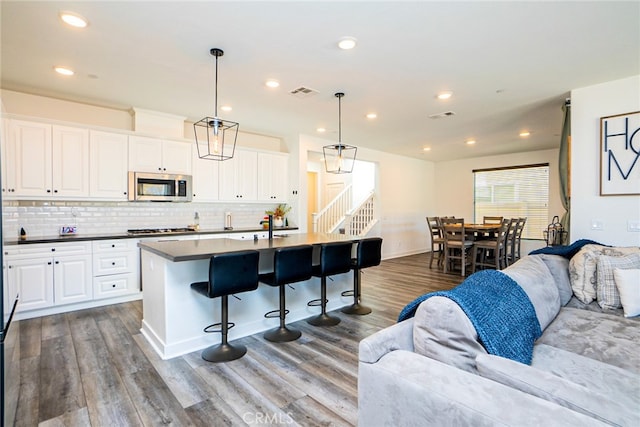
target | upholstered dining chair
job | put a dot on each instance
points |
(493, 252)
(457, 243)
(437, 239)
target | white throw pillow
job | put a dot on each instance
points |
(606, 290)
(628, 284)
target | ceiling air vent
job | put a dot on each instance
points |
(303, 92)
(442, 115)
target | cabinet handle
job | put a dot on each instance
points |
(164, 169)
(55, 191)
(49, 263)
(57, 262)
(113, 263)
(160, 169)
(48, 191)
(113, 286)
(53, 249)
(125, 193)
(11, 266)
(113, 246)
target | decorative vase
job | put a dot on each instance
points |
(278, 221)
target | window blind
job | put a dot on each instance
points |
(514, 192)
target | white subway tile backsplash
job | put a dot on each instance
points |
(45, 218)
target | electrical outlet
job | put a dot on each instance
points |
(633, 225)
(597, 224)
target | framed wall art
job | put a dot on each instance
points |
(620, 154)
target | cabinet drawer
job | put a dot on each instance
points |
(115, 285)
(113, 263)
(47, 250)
(119, 245)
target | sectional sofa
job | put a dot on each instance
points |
(583, 368)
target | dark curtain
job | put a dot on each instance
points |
(564, 165)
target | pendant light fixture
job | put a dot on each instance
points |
(339, 158)
(215, 138)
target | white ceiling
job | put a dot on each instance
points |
(511, 65)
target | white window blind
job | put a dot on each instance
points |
(514, 192)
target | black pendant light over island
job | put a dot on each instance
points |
(215, 137)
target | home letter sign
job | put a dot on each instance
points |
(620, 154)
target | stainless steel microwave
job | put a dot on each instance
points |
(156, 187)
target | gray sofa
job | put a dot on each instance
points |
(431, 369)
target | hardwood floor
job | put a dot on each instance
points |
(93, 367)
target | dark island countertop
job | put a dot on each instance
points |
(124, 235)
(190, 250)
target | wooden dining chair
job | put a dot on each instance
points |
(437, 239)
(492, 253)
(457, 244)
(516, 239)
(492, 220)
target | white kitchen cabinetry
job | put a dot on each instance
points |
(7, 179)
(108, 165)
(115, 268)
(239, 177)
(205, 179)
(48, 275)
(159, 156)
(47, 161)
(272, 173)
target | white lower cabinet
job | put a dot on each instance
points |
(115, 268)
(49, 275)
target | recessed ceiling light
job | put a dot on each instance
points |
(444, 95)
(226, 108)
(470, 141)
(371, 115)
(64, 71)
(347, 43)
(272, 83)
(426, 148)
(321, 130)
(525, 133)
(73, 19)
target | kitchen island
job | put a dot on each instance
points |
(174, 316)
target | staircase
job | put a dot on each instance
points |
(339, 214)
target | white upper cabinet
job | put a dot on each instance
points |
(205, 179)
(159, 156)
(272, 177)
(47, 161)
(239, 177)
(70, 159)
(108, 165)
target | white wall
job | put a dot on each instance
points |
(406, 192)
(588, 105)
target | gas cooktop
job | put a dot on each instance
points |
(159, 230)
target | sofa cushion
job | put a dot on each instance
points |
(442, 331)
(618, 384)
(555, 389)
(559, 268)
(583, 266)
(605, 337)
(628, 284)
(533, 276)
(607, 293)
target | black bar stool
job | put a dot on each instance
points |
(229, 273)
(369, 253)
(290, 265)
(335, 258)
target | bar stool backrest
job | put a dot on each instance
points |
(335, 258)
(232, 273)
(369, 252)
(292, 264)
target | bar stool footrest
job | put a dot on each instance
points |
(348, 293)
(274, 314)
(215, 325)
(316, 302)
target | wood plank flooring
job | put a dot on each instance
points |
(94, 368)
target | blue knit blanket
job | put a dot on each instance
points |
(567, 251)
(499, 309)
